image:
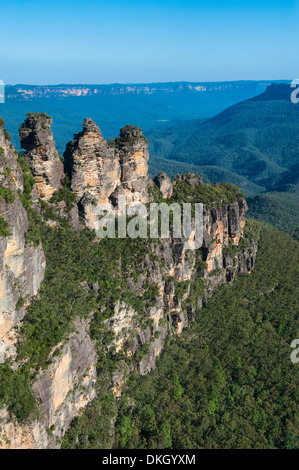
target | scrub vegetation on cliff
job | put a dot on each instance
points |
(75, 263)
(227, 382)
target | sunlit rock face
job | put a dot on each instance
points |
(22, 265)
(91, 164)
(41, 155)
(133, 157)
(164, 184)
(223, 226)
(100, 171)
(62, 390)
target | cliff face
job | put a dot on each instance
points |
(91, 164)
(62, 390)
(171, 282)
(185, 279)
(41, 155)
(93, 170)
(22, 265)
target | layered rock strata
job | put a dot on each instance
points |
(164, 184)
(132, 149)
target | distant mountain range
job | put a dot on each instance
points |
(257, 139)
(242, 87)
(151, 105)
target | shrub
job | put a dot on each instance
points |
(7, 194)
(4, 232)
(6, 134)
(16, 392)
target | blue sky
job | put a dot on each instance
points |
(107, 41)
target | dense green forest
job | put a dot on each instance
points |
(210, 174)
(257, 139)
(252, 144)
(227, 382)
(74, 262)
(280, 209)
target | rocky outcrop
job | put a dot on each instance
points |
(190, 178)
(133, 157)
(92, 166)
(164, 184)
(100, 171)
(41, 155)
(93, 169)
(22, 265)
(223, 226)
(62, 390)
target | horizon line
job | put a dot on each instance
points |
(149, 83)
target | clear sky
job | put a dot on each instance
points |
(107, 41)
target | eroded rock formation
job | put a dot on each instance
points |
(174, 269)
(62, 390)
(164, 184)
(100, 171)
(92, 166)
(41, 155)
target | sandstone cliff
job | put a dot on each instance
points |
(100, 171)
(22, 264)
(132, 148)
(62, 390)
(91, 164)
(93, 170)
(164, 184)
(41, 155)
